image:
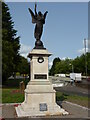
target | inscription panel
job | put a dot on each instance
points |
(43, 107)
(40, 76)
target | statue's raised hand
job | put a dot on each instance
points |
(45, 14)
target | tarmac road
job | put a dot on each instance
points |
(72, 89)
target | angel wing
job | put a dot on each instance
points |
(32, 15)
(45, 14)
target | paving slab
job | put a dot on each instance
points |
(76, 112)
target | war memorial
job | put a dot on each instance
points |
(40, 97)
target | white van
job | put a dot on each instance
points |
(75, 77)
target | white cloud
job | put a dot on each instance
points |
(65, 58)
(50, 64)
(82, 51)
(24, 50)
(87, 44)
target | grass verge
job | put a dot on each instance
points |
(81, 100)
(13, 95)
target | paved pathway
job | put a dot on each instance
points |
(76, 112)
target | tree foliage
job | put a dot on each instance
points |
(79, 64)
(23, 66)
(65, 66)
(10, 44)
(52, 70)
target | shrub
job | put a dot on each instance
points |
(15, 82)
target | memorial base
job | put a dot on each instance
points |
(39, 100)
(40, 97)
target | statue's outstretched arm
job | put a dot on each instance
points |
(45, 14)
(35, 9)
(31, 12)
(32, 15)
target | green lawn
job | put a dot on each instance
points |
(13, 95)
(81, 100)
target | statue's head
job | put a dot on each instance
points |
(39, 13)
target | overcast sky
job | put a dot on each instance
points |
(64, 31)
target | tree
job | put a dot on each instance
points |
(65, 66)
(79, 64)
(23, 66)
(88, 64)
(10, 44)
(52, 70)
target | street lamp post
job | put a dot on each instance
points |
(72, 82)
(72, 69)
(85, 58)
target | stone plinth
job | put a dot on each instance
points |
(40, 97)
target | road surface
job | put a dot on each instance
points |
(72, 89)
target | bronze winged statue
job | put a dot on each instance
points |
(39, 20)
